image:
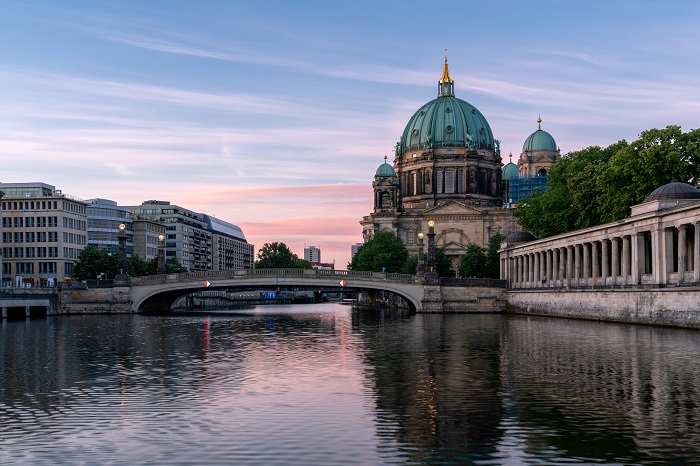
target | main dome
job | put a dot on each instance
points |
(447, 122)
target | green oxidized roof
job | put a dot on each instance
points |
(539, 140)
(509, 171)
(385, 170)
(447, 122)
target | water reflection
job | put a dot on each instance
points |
(320, 384)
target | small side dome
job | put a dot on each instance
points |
(385, 170)
(539, 140)
(520, 237)
(509, 171)
(674, 190)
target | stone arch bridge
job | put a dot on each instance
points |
(159, 292)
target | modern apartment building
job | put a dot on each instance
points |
(43, 233)
(146, 234)
(231, 251)
(187, 237)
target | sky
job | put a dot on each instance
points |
(274, 115)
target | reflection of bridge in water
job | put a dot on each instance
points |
(160, 292)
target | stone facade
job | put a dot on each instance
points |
(657, 247)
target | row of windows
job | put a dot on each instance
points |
(29, 205)
(74, 238)
(74, 224)
(27, 268)
(30, 252)
(31, 237)
(31, 222)
(73, 207)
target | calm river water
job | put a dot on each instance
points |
(325, 385)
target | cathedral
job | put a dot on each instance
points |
(448, 169)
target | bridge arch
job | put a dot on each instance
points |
(159, 292)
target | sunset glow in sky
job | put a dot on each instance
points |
(274, 115)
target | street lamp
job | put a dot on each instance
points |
(431, 246)
(161, 254)
(421, 264)
(122, 271)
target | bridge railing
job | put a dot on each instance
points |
(306, 273)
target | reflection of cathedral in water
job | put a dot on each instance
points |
(448, 169)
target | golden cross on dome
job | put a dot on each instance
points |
(539, 121)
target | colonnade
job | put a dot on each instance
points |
(656, 255)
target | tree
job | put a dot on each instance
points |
(384, 252)
(278, 256)
(443, 264)
(411, 265)
(599, 185)
(93, 262)
(172, 265)
(473, 263)
(493, 259)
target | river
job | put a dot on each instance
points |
(323, 384)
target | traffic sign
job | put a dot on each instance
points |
(343, 283)
(207, 284)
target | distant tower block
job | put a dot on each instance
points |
(312, 254)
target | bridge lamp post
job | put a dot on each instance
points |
(431, 246)
(421, 265)
(122, 272)
(161, 254)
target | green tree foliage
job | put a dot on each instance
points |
(410, 266)
(385, 251)
(493, 259)
(443, 264)
(172, 265)
(93, 262)
(482, 263)
(599, 185)
(278, 256)
(473, 262)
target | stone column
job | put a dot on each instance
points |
(637, 256)
(577, 263)
(594, 262)
(614, 243)
(586, 251)
(682, 252)
(626, 259)
(551, 273)
(553, 261)
(536, 263)
(696, 253)
(569, 265)
(530, 270)
(605, 265)
(561, 269)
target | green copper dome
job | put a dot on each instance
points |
(385, 170)
(446, 122)
(539, 140)
(509, 171)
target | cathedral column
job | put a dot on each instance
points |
(551, 277)
(563, 274)
(537, 269)
(577, 263)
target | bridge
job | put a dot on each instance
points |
(160, 292)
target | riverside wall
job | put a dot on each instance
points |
(677, 306)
